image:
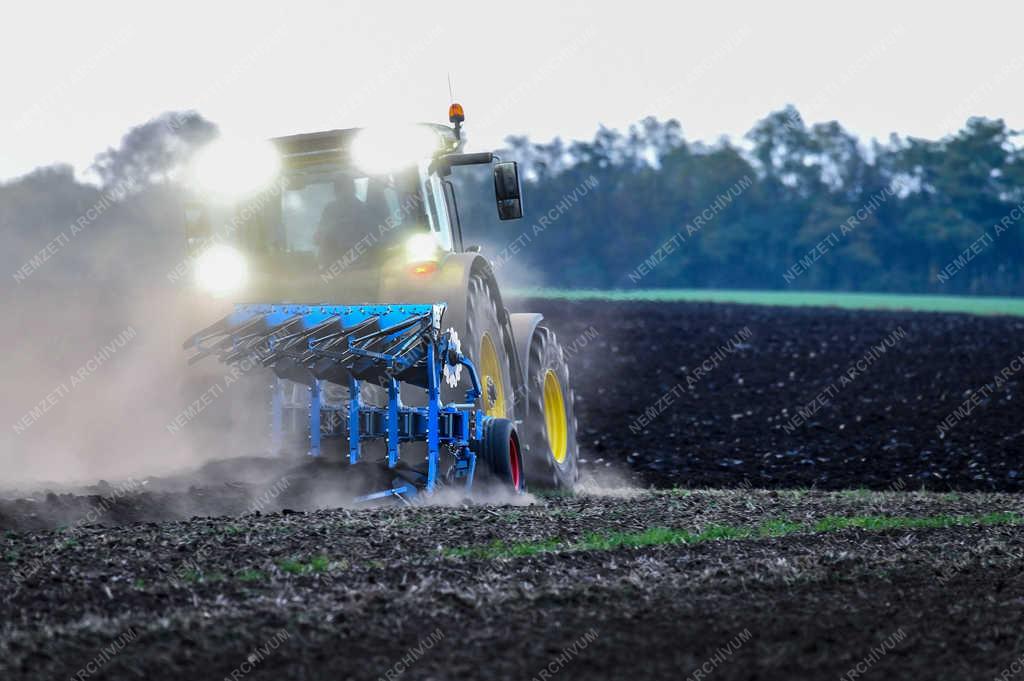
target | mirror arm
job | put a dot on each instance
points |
(444, 164)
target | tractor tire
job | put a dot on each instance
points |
(485, 346)
(552, 455)
(500, 456)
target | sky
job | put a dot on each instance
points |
(77, 76)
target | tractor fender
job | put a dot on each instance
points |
(451, 286)
(523, 326)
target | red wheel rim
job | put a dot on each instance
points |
(513, 461)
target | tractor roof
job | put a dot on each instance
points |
(311, 142)
(317, 143)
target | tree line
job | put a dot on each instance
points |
(790, 206)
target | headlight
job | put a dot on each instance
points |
(421, 247)
(233, 168)
(379, 151)
(221, 270)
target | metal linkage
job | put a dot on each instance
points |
(348, 345)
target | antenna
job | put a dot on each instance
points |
(451, 90)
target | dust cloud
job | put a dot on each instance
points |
(95, 378)
(96, 383)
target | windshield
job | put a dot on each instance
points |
(339, 216)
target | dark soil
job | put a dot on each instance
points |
(880, 431)
(225, 572)
(196, 598)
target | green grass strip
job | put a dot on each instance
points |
(853, 301)
(659, 536)
(297, 567)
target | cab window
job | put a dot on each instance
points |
(437, 212)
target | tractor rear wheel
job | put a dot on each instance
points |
(552, 459)
(485, 346)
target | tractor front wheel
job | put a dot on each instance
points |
(553, 455)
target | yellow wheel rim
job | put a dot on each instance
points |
(554, 417)
(491, 375)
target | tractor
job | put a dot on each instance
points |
(344, 262)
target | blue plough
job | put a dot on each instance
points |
(351, 344)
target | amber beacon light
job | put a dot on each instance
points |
(456, 115)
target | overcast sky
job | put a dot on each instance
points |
(77, 76)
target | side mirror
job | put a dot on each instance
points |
(507, 191)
